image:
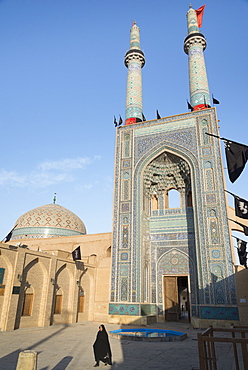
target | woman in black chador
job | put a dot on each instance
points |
(101, 347)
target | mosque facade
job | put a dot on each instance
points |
(161, 262)
(171, 262)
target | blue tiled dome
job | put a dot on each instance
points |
(48, 221)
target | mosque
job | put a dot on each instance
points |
(160, 262)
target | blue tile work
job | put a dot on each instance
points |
(43, 232)
(219, 313)
(124, 309)
(215, 253)
(146, 143)
(134, 61)
(148, 309)
(134, 309)
(155, 289)
(2, 271)
(48, 221)
(194, 45)
(124, 256)
(192, 241)
(172, 262)
(124, 288)
(206, 151)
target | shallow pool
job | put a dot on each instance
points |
(150, 335)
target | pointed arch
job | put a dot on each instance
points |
(33, 295)
(63, 295)
(6, 298)
(141, 223)
(175, 262)
(108, 251)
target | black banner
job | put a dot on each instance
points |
(241, 207)
(76, 254)
(236, 157)
(242, 252)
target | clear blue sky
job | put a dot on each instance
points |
(63, 78)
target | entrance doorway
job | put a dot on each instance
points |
(176, 298)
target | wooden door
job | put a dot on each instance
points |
(171, 298)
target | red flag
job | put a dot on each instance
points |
(199, 14)
(129, 121)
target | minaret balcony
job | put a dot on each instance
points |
(134, 55)
(194, 39)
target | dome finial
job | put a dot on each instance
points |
(54, 198)
(190, 6)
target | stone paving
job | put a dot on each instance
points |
(69, 347)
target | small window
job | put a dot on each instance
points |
(154, 202)
(2, 270)
(58, 304)
(173, 199)
(27, 304)
(81, 302)
(92, 258)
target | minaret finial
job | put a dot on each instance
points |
(134, 61)
(54, 198)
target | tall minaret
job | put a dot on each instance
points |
(194, 45)
(134, 61)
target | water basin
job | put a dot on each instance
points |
(149, 335)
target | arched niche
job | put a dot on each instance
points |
(108, 252)
(32, 301)
(6, 289)
(166, 182)
(65, 287)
